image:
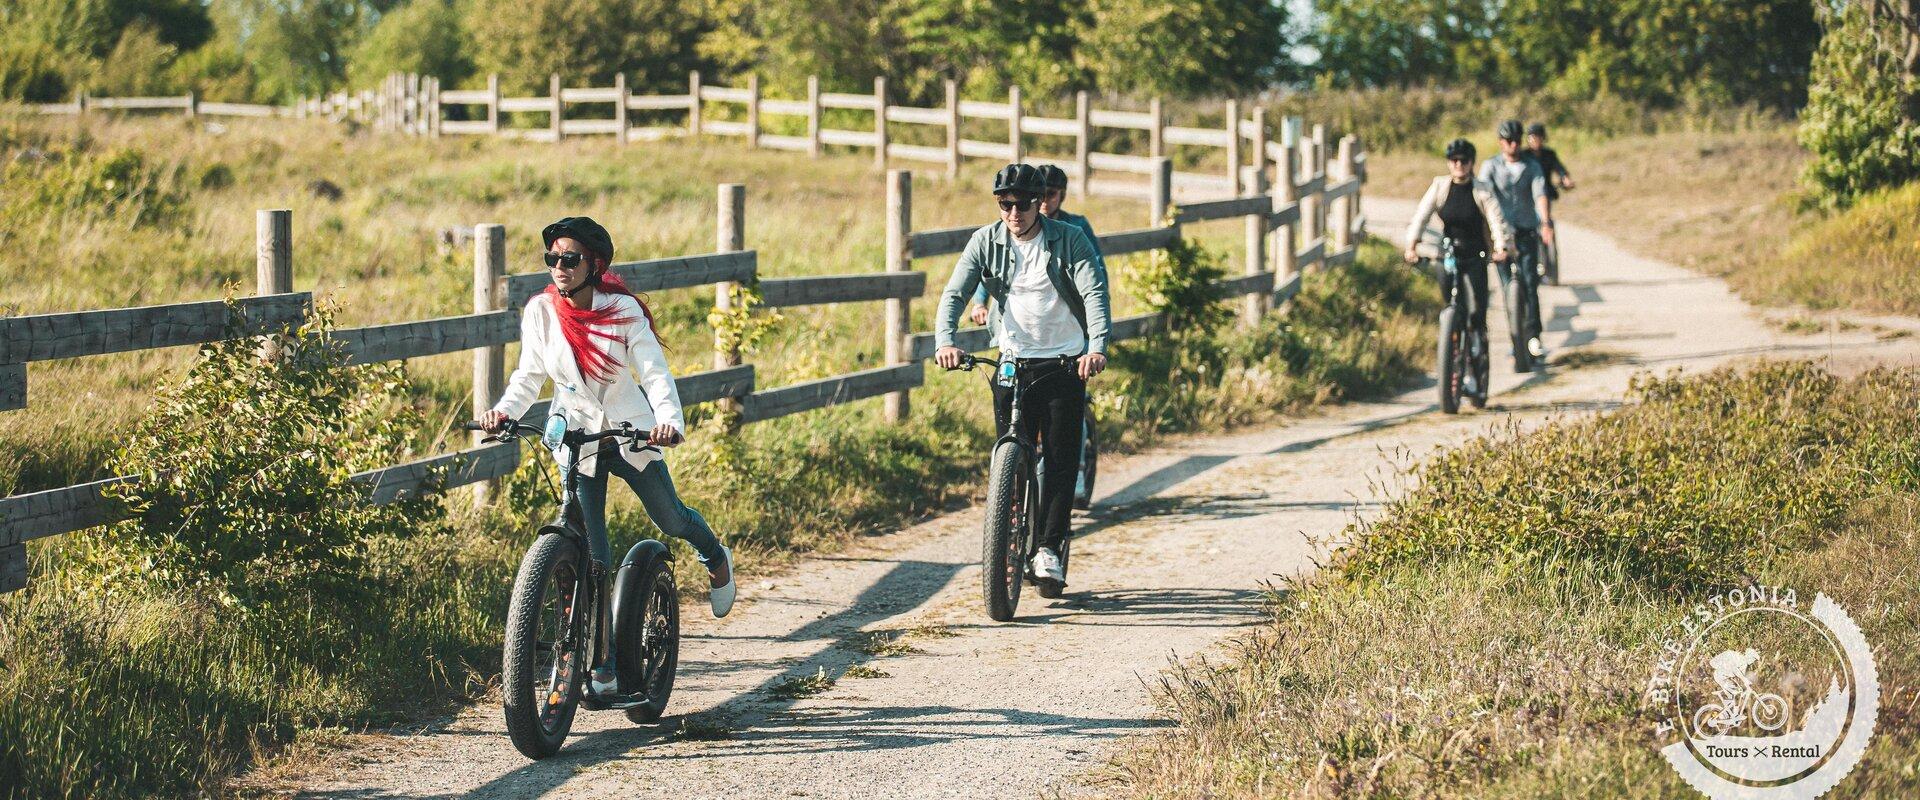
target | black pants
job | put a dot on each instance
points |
(1472, 265)
(1055, 405)
(1524, 265)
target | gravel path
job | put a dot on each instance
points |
(1171, 560)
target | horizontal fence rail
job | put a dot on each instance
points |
(1308, 218)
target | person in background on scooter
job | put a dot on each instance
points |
(589, 334)
(1051, 307)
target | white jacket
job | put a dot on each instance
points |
(1498, 233)
(589, 404)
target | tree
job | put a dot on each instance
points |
(1183, 47)
(654, 42)
(1856, 122)
(422, 36)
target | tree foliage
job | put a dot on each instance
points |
(422, 36)
(1859, 122)
(653, 42)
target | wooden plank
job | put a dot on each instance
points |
(26, 517)
(915, 152)
(44, 337)
(573, 127)
(508, 104)
(799, 108)
(976, 109)
(940, 242)
(57, 108)
(651, 275)
(1285, 215)
(1134, 241)
(454, 127)
(1048, 126)
(787, 292)
(977, 149)
(654, 134)
(1132, 190)
(848, 138)
(917, 116)
(1312, 252)
(1117, 162)
(595, 94)
(13, 568)
(134, 103)
(1343, 188)
(466, 97)
(837, 390)
(404, 481)
(706, 387)
(378, 343)
(1342, 257)
(1072, 169)
(1286, 291)
(13, 386)
(1136, 120)
(774, 141)
(920, 346)
(857, 102)
(726, 94)
(1256, 283)
(721, 127)
(1224, 209)
(1314, 186)
(1204, 137)
(1135, 327)
(1203, 183)
(238, 110)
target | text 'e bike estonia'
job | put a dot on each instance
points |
(560, 619)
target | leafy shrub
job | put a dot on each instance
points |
(242, 471)
(1860, 135)
(118, 185)
(1178, 282)
(1693, 484)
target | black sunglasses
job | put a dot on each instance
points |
(568, 259)
(1023, 204)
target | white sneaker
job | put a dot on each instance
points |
(721, 598)
(601, 688)
(1535, 347)
(1046, 566)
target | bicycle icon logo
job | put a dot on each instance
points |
(1736, 701)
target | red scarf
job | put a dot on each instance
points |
(577, 324)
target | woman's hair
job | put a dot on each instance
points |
(576, 324)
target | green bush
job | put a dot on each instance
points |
(241, 472)
(1856, 125)
(117, 185)
(423, 37)
(1693, 484)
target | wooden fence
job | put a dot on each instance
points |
(416, 104)
(1308, 217)
(187, 103)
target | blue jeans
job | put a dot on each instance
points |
(655, 488)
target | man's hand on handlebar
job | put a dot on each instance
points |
(1411, 255)
(1092, 364)
(949, 357)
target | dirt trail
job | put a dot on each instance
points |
(1171, 560)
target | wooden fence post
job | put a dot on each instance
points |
(899, 259)
(1083, 143)
(1233, 146)
(813, 115)
(953, 129)
(1162, 195)
(193, 105)
(489, 363)
(693, 103)
(1320, 199)
(1255, 304)
(1156, 130)
(1013, 122)
(1342, 226)
(753, 111)
(413, 104)
(559, 112)
(493, 103)
(1311, 227)
(620, 107)
(730, 235)
(880, 121)
(1286, 186)
(1257, 143)
(273, 261)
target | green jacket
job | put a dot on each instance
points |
(1073, 265)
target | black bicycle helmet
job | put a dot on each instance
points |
(1537, 129)
(1053, 176)
(1461, 149)
(1510, 130)
(1020, 179)
(591, 235)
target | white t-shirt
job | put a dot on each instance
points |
(1037, 322)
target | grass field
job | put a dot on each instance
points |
(1470, 646)
(164, 693)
